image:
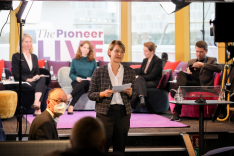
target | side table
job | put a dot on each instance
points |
(54, 84)
(201, 117)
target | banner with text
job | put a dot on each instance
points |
(62, 44)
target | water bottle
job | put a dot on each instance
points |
(180, 69)
(51, 72)
(3, 74)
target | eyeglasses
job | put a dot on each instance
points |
(121, 52)
(59, 101)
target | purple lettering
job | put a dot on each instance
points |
(59, 32)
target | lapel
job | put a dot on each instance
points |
(125, 76)
(52, 120)
(25, 63)
(151, 64)
(107, 77)
(205, 61)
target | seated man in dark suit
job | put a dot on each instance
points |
(87, 138)
(200, 72)
(44, 126)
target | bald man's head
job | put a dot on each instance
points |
(88, 132)
(55, 97)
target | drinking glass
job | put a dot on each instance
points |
(11, 78)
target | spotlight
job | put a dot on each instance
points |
(171, 7)
(178, 2)
(24, 10)
(21, 11)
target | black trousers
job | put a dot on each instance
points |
(142, 85)
(117, 125)
(184, 79)
(38, 85)
(79, 88)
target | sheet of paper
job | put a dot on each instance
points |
(84, 79)
(14, 82)
(45, 75)
(121, 87)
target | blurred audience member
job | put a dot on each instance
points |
(44, 126)
(87, 139)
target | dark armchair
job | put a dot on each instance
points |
(157, 99)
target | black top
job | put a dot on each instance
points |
(154, 71)
(26, 73)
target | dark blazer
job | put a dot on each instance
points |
(154, 71)
(206, 75)
(43, 127)
(81, 152)
(101, 81)
(26, 73)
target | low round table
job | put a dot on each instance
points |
(201, 117)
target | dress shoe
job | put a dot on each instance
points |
(172, 92)
(70, 113)
(142, 102)
(175, 117)
(35, 107)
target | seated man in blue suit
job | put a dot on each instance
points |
(200, 72)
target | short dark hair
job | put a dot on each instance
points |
(202, 44)
(88, 132)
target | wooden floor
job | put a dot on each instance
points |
(10, 126)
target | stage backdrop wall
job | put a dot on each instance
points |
(62, 44)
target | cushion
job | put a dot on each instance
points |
(7, 64)
(41, 63)
(1, 68)
(57, 65)
(102, 63)
(171, 65)
(135, 66)
(216, 79)
(182, 65)
(163, 82)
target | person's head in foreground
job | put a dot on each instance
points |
(88, 132)
(56, 101)
(116, 51)
(201, 50)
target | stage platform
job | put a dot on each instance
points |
(160, 141)
(10, 126)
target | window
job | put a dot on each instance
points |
(5, 35)
(151, 23)
(72, 17)
(196, 15)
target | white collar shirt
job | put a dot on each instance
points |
(52, 115)
(116, 80)
(29, 61)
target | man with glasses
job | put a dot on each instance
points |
(44, 126)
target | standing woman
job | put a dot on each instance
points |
(82, 68)
(150, 72)
(113, 109)
(30, 71)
